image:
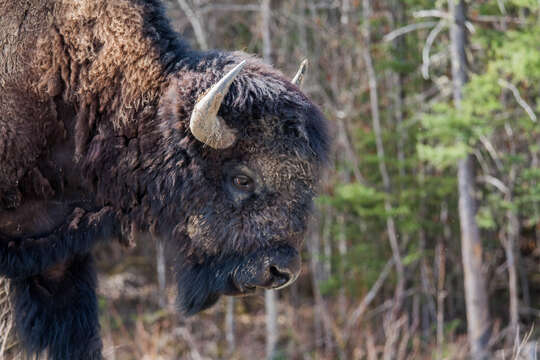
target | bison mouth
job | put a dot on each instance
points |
(201, 285)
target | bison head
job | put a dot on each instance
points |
(245, 150)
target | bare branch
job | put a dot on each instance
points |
(230, 7)
(492, 151)
(427, 47)
(488, 179)
(301, 73)
(185, 334)
(362, 307)
(469, 25)
(442, 15)
(407, 29)
(519, 99)
(530, 311)
(431, 13)
(494, 18)
(195, 21)
(502, 9)
(483, 164)
(521, 348)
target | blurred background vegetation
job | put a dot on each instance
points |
(383, 273)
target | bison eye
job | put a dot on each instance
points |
(243, 183)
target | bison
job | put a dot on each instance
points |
(112, 126)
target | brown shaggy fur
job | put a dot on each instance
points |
(98, 55)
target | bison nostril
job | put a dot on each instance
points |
(269, 269)
(279, 277)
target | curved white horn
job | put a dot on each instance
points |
(205, 124)
(298, 79)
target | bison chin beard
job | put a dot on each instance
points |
(201, 284)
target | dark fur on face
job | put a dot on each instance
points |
(282, 140)
(202, 284)
(110, 89)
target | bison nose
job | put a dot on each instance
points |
(282, 267)
(279, 277)
(269, 269)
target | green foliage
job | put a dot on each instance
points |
(412, 257)
(531, 4)
(331, 285)
(363, 200)
(517, 57)
(485, 218)
(442, 156)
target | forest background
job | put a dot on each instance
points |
(426, 237)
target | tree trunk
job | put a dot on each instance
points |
(398, 20)
(270, 302)
(342, 248)
(441, 275)
(478, 320)
(230, 326)
(471, 247)
(313, 244)
(427, 305)
(161, 273)
(374, 102)
(326, 240)
(441, 259)
(512, 234)
(510, 243)
(265, 28)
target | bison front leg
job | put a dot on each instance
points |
(21, 259)
(56, 311)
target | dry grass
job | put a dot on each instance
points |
(135, 326)
(7, 341)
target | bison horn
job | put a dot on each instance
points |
(205, 124)
(298, 79)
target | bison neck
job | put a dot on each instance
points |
(112, 61)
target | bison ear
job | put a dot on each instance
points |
(205, 124)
